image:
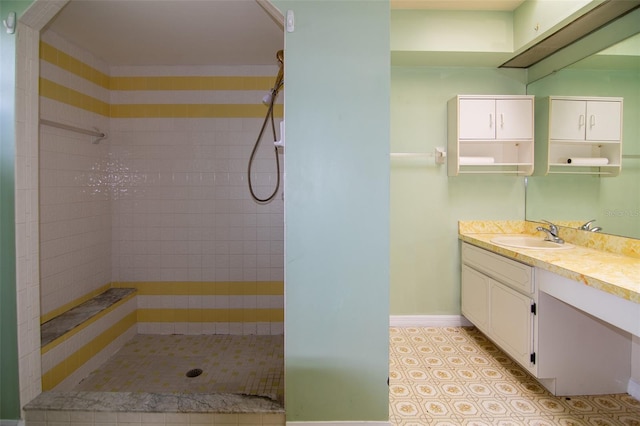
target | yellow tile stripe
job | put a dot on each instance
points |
(205, 288)
(85, 324)
(192, 110)
(68, 306)
(60, 93)
(65, 368)
(57, 92)
(211, 315)
(70, 64)
(73, 65)
(192, 83)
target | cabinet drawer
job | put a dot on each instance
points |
(516, 275)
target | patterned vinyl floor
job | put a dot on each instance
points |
(249, 365)
(456, 376)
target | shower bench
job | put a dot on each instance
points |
(62, 324)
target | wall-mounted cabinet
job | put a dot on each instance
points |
(490, 134)
(582, 135)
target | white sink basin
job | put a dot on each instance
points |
(529, 243)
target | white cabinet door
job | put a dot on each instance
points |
(477, 119)
(512, 322)
(603, 121)
(514, 119)
(585, 120)
(567, 119)
(475, 297)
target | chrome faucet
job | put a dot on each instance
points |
(552, 232)
(587, 226)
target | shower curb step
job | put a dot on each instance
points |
(143, 402)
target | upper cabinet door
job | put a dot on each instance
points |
(477, 119)
(568, 119)
(585, 120)
(514, 119)
(603, 120)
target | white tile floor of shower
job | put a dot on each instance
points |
(147, 382)
(243, 365)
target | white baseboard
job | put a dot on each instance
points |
(633, 389)
(428, 321)
(351, 423)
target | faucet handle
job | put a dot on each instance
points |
(587, 226)
(553, 228)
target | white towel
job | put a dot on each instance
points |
(476, 161)
(588, 161)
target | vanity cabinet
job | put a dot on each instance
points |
(498, 297)
(569, 351)
(490, 134)
(583, 135)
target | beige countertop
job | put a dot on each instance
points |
(611, 272)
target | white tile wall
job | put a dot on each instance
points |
(27, 236)
(171, 192)
(182, 208)
(75, 205)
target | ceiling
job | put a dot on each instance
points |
(171, 32)
(195, 32)
(505, 5)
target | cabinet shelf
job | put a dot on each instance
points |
(513, 169)
(571, 169)
(602, 166)
(578, 142)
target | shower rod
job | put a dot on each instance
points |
(99, 135)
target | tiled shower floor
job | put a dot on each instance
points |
(246, 365)
(456, 376)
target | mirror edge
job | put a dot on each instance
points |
(606, 36)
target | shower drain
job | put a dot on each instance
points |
(194, 372)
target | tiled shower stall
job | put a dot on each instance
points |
(161, 205)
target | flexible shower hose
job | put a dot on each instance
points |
(267, 118)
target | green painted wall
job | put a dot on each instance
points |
(337, 211)
(426, 205)
(450, 38)
(9, 386)
(466, 31)
(534, 20)
(613, 201)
